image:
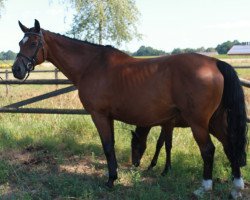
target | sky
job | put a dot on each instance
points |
(164, 24)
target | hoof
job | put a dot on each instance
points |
(206, 187)
(164, 173)
(136, 164)
(235, 194)
(199, 192)
(109, 184)
(238, 186)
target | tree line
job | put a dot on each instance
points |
(222, 48)
(8, 55)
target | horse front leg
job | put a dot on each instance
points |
(105, 127)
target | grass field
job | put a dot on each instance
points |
(60, 157)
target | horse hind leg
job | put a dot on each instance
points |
(219, 130)
(207, 150)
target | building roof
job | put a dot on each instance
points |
(239, 50)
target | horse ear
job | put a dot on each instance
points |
(23, 28)
(37, 26)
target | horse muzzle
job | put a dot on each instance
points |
(18, 71)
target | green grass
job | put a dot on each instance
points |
(225, 56)
(61, 157)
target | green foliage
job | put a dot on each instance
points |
(8, 55)
(110, 20)
(225, 46)
(61, 172)
(190, 50)
(4, 171)
(148, 51)
(1, 6)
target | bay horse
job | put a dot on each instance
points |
(145, 92)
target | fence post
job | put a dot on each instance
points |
(6, 78)
(56, 76)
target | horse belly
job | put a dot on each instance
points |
(145, 114)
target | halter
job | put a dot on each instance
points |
(32, 60)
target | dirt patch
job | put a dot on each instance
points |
(86, 165)
(32, 155)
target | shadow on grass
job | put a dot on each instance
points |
(64, 168)
(35, 173)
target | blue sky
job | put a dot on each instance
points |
(165, 24)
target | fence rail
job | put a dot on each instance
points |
(15, 107)
(36, 82)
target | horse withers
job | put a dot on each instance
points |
(190, 86)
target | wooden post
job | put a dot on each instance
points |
(6, 78)
(56, 77)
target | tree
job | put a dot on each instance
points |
(148, 51)
(9, 55)
(111, 20)
(210, 49)
(225, 46)
(1, 6)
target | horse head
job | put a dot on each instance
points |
(138, 146)
(32, 51)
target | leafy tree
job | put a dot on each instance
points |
(210, 49)
(225, 46)
(1, 6)
(148, 51)
(9, 55)
(111, 20)
(190, 50)
(177, 51)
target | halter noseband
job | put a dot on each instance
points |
(32, 60)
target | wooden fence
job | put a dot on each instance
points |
(17, 107)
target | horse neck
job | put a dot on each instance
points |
(70, 56)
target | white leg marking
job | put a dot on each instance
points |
(238, 185)
(206, 186)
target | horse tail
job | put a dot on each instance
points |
(233, 101)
